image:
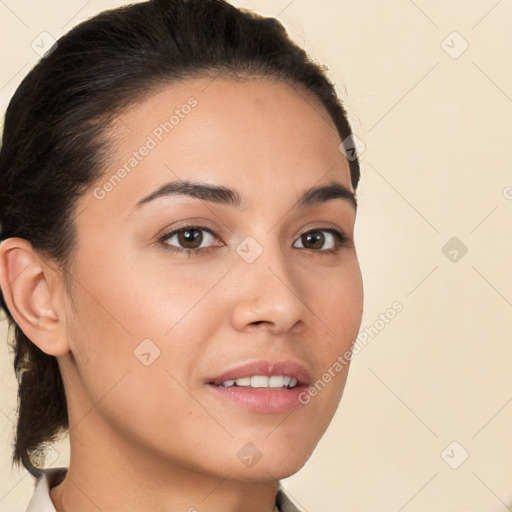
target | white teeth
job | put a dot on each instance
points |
(276, 381)
(262, 381)
(259, 381)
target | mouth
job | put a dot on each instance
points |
(261, 381)
(262, 386)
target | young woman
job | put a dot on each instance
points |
(178, 260)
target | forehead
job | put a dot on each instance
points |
(262, 136)
(211, 113)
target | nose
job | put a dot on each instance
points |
(269, 295)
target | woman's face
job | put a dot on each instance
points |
(267, 280)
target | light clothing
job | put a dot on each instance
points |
(41, 501)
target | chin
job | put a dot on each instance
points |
(271, 464)
(265, 473)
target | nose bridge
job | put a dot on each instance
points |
(266, 258)
(268, 290)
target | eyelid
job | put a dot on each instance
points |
(197, 222)
(322, 227)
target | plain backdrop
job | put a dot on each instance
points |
(426, 417)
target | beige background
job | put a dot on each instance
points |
(437, 164)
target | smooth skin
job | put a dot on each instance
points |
(155, 437)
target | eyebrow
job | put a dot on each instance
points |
(230, 197)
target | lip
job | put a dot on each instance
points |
(262, 400)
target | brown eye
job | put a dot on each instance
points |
(189, 238)
(313, 240)
(318, 238)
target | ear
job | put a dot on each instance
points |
(32, 292)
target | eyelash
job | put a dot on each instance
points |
(341, 241)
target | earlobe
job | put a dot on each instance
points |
(28, 293)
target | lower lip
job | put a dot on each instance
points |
(266, 400)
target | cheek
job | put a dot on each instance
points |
(155, 324)
(339, 303)
(336, 300)
(165, 291)
(135, 385)
(340, 308)
(101, 347)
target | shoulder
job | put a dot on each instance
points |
(41, 501)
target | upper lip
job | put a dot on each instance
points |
(265, 367)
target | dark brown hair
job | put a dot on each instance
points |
(55, 140)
